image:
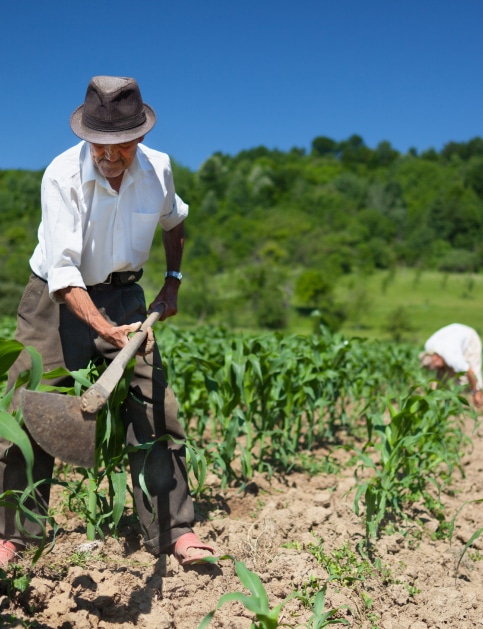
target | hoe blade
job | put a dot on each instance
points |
(57, 423)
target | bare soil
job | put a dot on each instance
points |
(116, 584)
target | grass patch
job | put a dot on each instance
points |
(431, 300)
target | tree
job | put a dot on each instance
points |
(354, 151)
(322, 145)
(384, 155)
(398, 324)
(315, 293)
(264, 287)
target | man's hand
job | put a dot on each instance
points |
(167, 297)
(119, 337)
(79, 301)
(478, 399)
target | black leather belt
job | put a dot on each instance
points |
(118, 278)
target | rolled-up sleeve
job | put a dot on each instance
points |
(60, 235)
(174, 210)
(178, 212)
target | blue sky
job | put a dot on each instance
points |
(228, 76)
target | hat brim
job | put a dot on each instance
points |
(426, 358)
(111, 137)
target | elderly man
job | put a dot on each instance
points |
(102, 201)
(452, 350)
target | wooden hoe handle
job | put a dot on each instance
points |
(97, 395)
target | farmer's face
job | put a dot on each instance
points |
(111, 160)
(437, 362)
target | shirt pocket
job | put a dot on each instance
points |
(143, 228)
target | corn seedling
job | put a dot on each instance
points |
(312, 596)
(257, 603)
(473, 537)
(322, 618)
(420, 446)
(11, 430)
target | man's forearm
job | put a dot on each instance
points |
(472, 380)
(79, 302)
(173, 241)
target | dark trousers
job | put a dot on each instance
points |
(149, 411)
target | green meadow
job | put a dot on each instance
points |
(428, 300)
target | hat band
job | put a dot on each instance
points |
(120, 125)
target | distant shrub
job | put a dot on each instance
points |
(458, 261)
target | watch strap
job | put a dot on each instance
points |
(176, 274)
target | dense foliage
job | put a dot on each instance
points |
(281, 227)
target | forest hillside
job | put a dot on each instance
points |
(272, 235)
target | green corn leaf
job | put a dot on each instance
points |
(36, 370)
(251, 603)
(474, 537)
(196, 461)
(11, 431)
(119, 484)
(7, 400)
(253, 583)
(81, 379)
(452, 523)
(207, 619)
(9, 352)
(360, 489)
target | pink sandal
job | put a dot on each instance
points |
(184, 543)
(8, 551)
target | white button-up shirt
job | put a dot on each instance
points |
(88, 230)
(460, 348)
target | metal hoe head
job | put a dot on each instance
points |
(57, 423)
(65, 425)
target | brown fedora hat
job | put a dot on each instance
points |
(113, 112)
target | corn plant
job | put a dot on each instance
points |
(473, 537)
(100, 508)
(420, 446)
(260, 399)
(267, 617)
(104, 509)
(12, 431)
(258, 603)
(322, 618)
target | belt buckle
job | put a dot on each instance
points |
(108, 279)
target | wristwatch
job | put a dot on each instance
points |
(175, 274)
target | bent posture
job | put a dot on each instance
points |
(452, 350)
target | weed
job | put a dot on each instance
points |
(292, 545)
(412, 590)
(475, 556)
(79, 559)
(315, 465)
(342, 564)
(309, 590)
(14, 579)
(258, 509)
(16, 623)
